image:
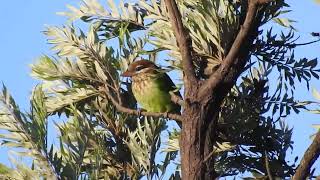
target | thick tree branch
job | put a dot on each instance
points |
(183, 40)
(309, 157)
(126, 110)
(238, 44)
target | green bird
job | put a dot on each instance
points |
(151, 87)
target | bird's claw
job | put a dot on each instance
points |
(139, 113)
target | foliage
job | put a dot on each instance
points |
(98, 142)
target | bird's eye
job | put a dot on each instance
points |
(138, 68)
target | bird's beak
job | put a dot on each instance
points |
(127, 74)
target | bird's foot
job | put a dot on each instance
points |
(139, 112)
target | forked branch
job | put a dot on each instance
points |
(308, 159)
(230, 60)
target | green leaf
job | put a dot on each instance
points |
(285, 22)
(4, 169)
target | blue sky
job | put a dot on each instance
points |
(22, 42)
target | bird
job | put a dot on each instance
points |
(151, 86)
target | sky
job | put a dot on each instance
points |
(22, 41)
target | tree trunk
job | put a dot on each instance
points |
(197, 137)
(190, 143)
(203, 98)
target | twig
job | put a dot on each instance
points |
(208, 156)
(235, 49)
(123, 109)
(108, 122)
(308, 159)
(183, 40)
(205, 159)
(267, 165)
(176, 99)
(292, 45)
(100, 60)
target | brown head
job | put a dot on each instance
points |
(137, 67)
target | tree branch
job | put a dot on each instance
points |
(183, 40)
(176, 99)
(308, 159)
(238, 44)
(266, 160)
(123, 109)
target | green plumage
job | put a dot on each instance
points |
(152, 92)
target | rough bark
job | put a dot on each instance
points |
(203, 98)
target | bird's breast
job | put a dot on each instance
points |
(150, 94)
(142, 85)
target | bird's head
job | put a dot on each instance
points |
(141, 66)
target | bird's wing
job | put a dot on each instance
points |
(169, 85)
